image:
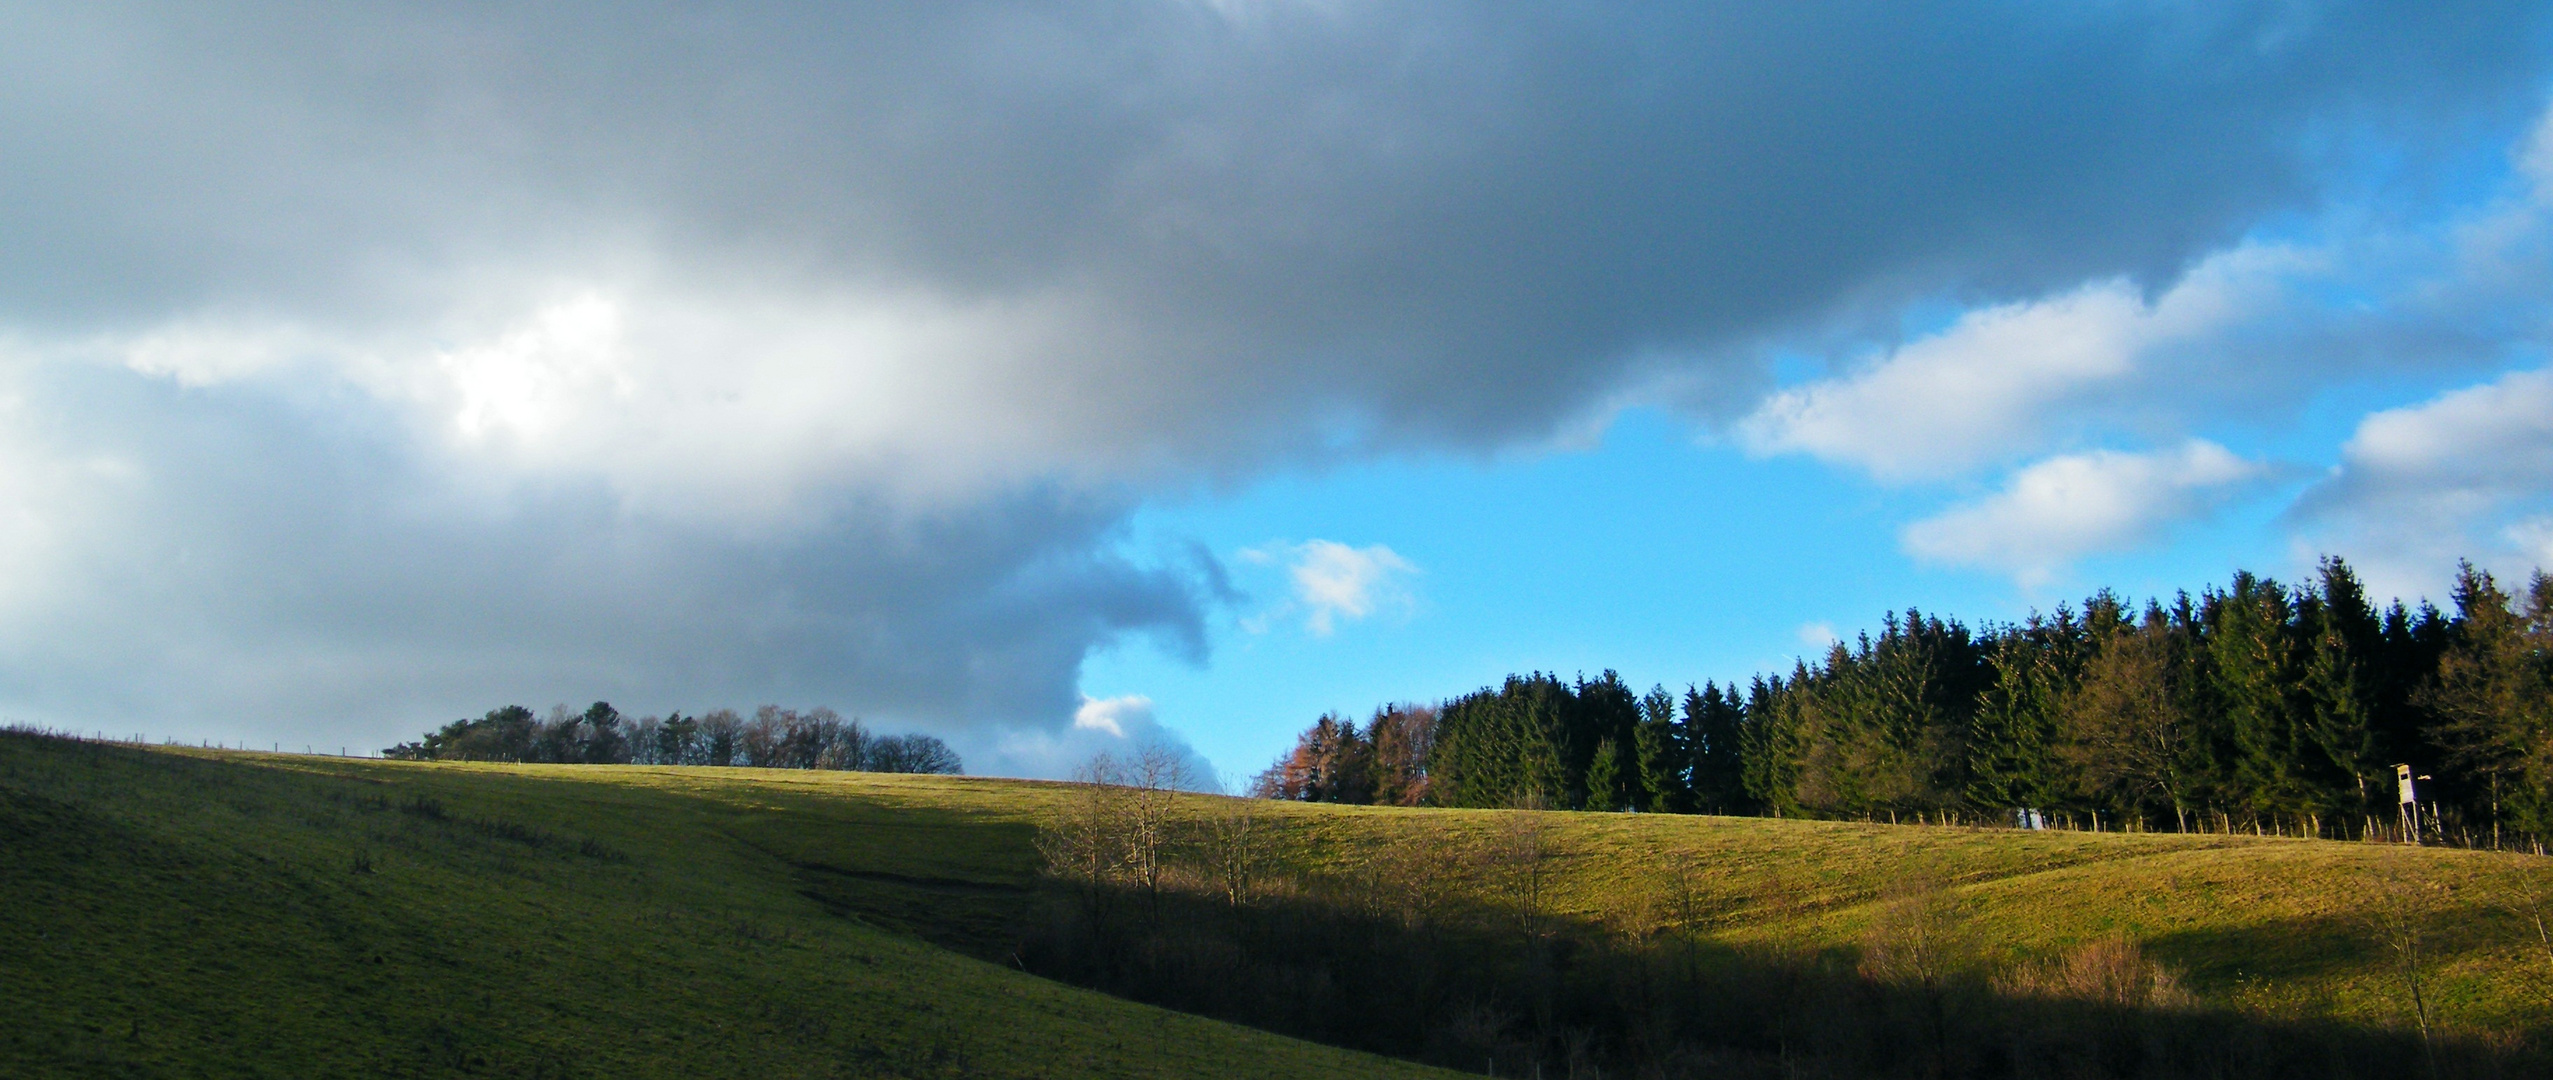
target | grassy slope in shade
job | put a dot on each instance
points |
(2274, 927)
(232, 915)
(204, 913)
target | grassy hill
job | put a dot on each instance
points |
(193, 914)
(187, 912)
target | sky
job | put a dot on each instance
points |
(1056, 378)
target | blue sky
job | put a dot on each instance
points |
(1657, 551)
(1055, 377)
(1674, 549)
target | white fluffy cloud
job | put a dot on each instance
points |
(1331, 581)
(1965, 395)
(2491, 440)
(2066, 507)
(2003, 382)
(2466, 474)
(1112, 716)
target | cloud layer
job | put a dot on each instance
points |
(364, 366)
(2066, 507)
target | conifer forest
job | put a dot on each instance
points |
(2255, 707)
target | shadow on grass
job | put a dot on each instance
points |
(2276, 950)
(1485, 986)
(1490, 992)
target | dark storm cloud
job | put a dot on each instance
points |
(1147, 242)
(246, 569)
(1452, 218)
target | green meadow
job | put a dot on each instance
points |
(205, 913)
(208, 914)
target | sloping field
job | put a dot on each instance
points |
(2285, 927)
(190, 914)
(234, 914)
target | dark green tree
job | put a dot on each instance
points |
(1770, 743)
(1714, 730)
(1665, 757)
(1884, 725)
(1604, 784)
(2337, 692)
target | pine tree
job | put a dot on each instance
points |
(1601, 712)
(2254, 697)
(1503, 747)
(1714, 730)
(1604, 778)
(1664, 755)
(2251, 663)
(2013, 762)
(1770, 756)
(2342, 638)
(1883, 726)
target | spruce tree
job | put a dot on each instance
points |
(1665, 756)
(2012, 736)
(1770, 758)
(2342, 638)
(1601, 711)
(1604, 778)
(2251, 662)
(1713, 726)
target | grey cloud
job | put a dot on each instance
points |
(1444, 221)
(252, 565)
(1181, 242)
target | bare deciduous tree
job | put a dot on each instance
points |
(1085, 845)
(1118, 830)
(2399, 920)
(1235, 852)
(1515, 859)
(1153, 781)
(1409, 882)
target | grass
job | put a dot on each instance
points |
(204, 914)
(208, 913)
(2285, 928)
(2280, 926)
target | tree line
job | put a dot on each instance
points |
(2252, 706)
(772, 738)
